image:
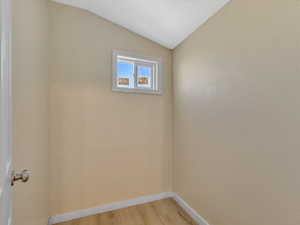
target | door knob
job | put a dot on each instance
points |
(23, 176)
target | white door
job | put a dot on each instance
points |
(5, 115)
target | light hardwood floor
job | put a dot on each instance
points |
(162, 212)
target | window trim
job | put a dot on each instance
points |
(157, 77)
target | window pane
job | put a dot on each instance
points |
(144, 77)
(125, 74)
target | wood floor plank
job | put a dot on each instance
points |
(136, 217)
(127, 216)
(162, 212)
(106, 218)
(149, 215)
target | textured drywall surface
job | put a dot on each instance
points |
(105, 146)
(236, 108)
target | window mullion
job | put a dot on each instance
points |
(135, 75)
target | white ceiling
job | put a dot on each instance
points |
(167, 22)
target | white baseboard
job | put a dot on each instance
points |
(124, 204)
(108, 207)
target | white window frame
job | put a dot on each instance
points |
(156, 67)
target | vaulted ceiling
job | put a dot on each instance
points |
(167, 22)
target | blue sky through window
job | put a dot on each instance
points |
(126, 70)
(144, 72)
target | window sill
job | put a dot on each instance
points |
(136, 91)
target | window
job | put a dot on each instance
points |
(134, 73)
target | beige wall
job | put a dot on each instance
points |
(236, 120)
(236, 105)
(105, 146)
(30, 109)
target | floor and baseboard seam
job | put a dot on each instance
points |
(124, 204)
